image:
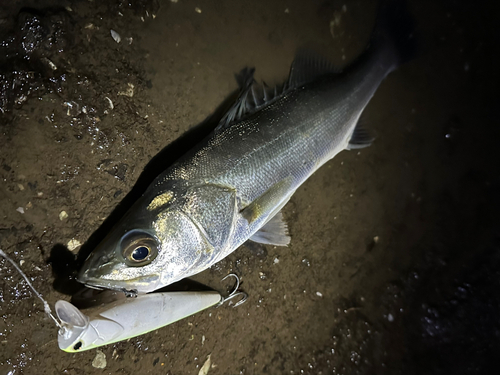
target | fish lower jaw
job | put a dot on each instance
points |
(131, 288)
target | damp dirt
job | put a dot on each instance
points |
(393, 264)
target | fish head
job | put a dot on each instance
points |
(145, 255)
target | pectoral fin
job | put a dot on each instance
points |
(269, 201)
(274, 232)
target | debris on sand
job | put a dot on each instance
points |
(99, 360)
(116, 36)
(206, 366)
(73, 244)
(129, 91)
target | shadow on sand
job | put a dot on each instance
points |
(64, 263)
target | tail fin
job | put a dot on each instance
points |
(396, 27)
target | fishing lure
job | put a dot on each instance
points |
(127, 317)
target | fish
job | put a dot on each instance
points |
(127, 317)
(232, 186)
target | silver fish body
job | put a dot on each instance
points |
(232, 186)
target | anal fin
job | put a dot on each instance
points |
(361, 137)
(274, 232)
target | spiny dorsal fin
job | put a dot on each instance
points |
(242, 105)
(252, 97)
(307, 67)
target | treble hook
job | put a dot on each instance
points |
(234, 293)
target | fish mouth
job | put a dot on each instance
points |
(102, 278)
(144, 284)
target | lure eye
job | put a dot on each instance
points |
(138, 248)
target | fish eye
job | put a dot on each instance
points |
(140, 253)
(78, 345)
(138, 248)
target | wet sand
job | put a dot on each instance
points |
(393, 264)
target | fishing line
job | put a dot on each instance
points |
(46, 306)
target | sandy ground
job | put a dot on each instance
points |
(393, 265)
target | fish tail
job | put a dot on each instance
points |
(395, 30)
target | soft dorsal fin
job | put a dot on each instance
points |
(307, 67)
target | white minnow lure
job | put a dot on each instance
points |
(127, 318)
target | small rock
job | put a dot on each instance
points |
(129, 91)
(197, 10)
(116, 36)
(49, 63)
(21, 262)
(99, 360)
(20, 186)
(20, 210)
(73, 244)
(319, 294)
(375, 239)
(63, 215)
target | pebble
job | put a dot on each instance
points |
(63, 215)
(129, 90)
(116, 36)
(73, 244)
(99, 360)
